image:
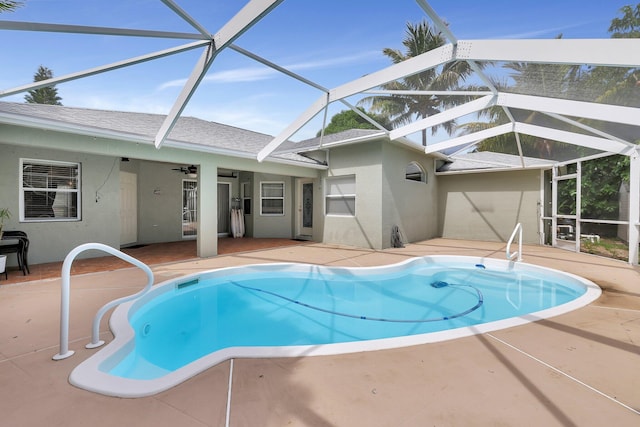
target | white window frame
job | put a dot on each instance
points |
(337, 195)
(264, 198)
(411, 175)
(25, 190)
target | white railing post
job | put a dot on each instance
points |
(65, 291)
(518, 253)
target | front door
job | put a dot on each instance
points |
(304, 218)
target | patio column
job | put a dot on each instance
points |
(207, 210)
(634, 206)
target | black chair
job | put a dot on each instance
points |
(21, 248)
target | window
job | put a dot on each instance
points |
(340, 196)
(272, 198)
(49, 190)
(414, 172)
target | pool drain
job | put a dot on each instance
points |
(146, 329)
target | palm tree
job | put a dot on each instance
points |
(9, 5)
(403, 109)
(550, 80)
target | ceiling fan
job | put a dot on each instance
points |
(187, 170)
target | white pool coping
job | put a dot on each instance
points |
(88, 375)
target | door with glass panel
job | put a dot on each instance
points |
(189, 208)
(304, 220)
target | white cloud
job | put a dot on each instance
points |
(252, 74)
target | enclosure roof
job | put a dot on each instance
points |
(539, 105)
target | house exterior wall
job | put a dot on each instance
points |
(363, 229)
(51, 241)
(273, 226)
(487, 206)
(159, 203)
(159, 217)
(410, 205)
(384, 197)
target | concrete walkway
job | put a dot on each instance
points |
(581, 368)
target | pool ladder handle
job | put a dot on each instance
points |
(511, 256)
(64, 303)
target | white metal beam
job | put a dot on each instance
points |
(364, 116)
(588, 141)
(518, 143)
(429, 92)
(606, 52)
(587, 110)
(303, 119)
(303, 80)
(470, 138)
(105, 31)
(588, 128)
(184, 15)
(199, 71)
(251, 13)
(445, 116)
(439, 23)
(102, 69)
(411, 66)
(277, 67)
(444, 28)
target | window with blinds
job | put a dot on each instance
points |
(50, 191)
(271, 198)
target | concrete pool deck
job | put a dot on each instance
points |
(579, 368)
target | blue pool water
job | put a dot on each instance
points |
(184, 326)
(325, 307)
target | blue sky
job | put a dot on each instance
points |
(330, 42)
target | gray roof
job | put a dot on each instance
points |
(143, 126)
(344, 137)
(487, 160)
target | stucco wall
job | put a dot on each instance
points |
(51, 241)
(159, 203)
(487, 206)
(384, 197)
(363, 229)
(408, 204)
(276, 226)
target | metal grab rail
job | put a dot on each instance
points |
(65, 291)
(510, 256)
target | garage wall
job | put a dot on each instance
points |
(487, 206)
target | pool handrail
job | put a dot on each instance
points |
(65, 291)
(518, 253)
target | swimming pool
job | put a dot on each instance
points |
(184, 326)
